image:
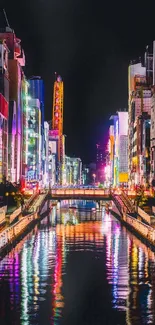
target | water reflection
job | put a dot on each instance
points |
(78, 267)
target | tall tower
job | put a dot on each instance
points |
(36, 91)
(57, 121)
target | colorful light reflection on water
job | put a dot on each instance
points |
(70, 270)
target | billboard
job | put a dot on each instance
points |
(123, 177)
(116, 132)
(53, 147)
(123, 153)
(3, 106)
(123, 123)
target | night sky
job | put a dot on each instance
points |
(90, 44)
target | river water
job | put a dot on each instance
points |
(78, 267)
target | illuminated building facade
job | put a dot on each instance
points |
(53, 157)
(152, 131)
(139, 109)
(152, 139)
(146, 150)
(122, 148)
(73, 171)
(36, 91)
(117, 164)
(25, 130)
(34, 142)
(100, 163)
(46, 155)
(57, 124)
(69, 170)
(16, 60)
(141, 150)
(4, 106)
(111, 151)
(85, 175)
(12, 142)
(99, 155)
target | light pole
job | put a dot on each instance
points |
(7, 195)
(94, 177)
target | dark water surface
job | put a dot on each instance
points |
(73, 270)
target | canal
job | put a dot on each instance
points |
(78, 267)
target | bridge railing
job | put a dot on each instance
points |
(128, 193)
(85, 192)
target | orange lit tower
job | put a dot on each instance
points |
(57, 121)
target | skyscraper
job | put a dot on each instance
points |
(36, 91)
(34, 142)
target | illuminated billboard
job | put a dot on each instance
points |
(53, 147)
(123, 123)
(123, 147)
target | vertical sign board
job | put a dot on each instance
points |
(2, 214)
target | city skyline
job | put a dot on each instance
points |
(77, 164)
(92, 59)
(26, 107)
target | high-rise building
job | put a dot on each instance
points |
(36, 91)
(100, 163)
(34, 143)
(4, 110)
(85, 175)
(16, 60)
(25, 130)
(152, 129)
(99, 155)
(117, 163)
(53, 157)
(73, 171)
(141, 150)
(152, 139)
(69, 170)
(111, 150)
(122, 145)
(146, 150)
(46, 156)
(139, 90)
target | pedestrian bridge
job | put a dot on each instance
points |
(81, 194)
(122, 199)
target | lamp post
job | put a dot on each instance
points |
(7, 195)
(94, 177)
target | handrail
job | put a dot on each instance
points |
(93, 192)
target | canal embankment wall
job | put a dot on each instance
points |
(18, 229)
(143, 228)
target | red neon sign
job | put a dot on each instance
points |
(3, 106)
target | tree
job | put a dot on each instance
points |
(140, 199)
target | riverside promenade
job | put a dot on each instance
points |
(134, 218)
(21, 220)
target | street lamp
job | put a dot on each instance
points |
(94, 177)
(7, 194)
